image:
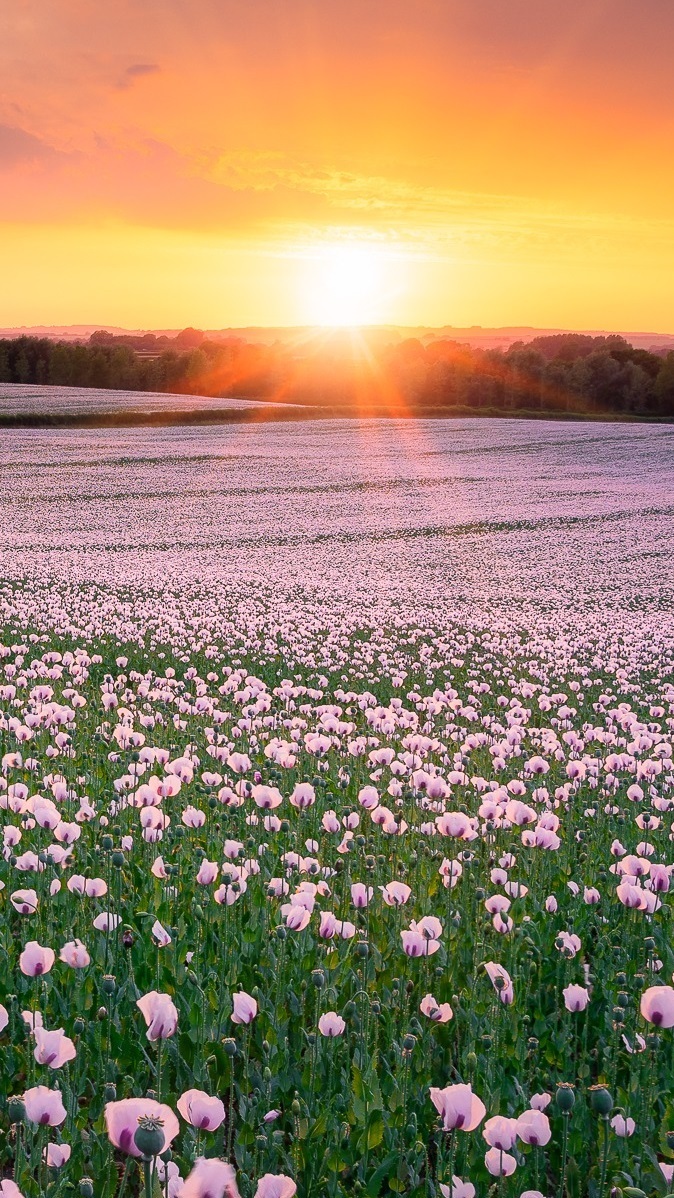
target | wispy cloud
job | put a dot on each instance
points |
(137, 70)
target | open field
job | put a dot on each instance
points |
(337, 780)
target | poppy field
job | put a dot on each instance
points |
(337, 835)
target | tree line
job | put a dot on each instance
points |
(342, 373)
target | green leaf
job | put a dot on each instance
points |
(381, 1172)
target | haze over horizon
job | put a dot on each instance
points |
(430, 163)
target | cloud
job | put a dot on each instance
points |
(137, 70)
(18, 148)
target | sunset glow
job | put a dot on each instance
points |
(352, 284)
(337, 162)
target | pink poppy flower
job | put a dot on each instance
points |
(53, 1048)
(500, 1132)
(24, 901)
(208, 872)
(361, 894)
(622, 1126)
(202, 1111)
(533, 1127)
(437, 1012)
(657, 1005)
(245, 1008)
(57, 1155)
(9, 1189)
(395, 894)
(458, 1189)
(44, 1107)
(303, 796)
(499, 1164)
(75, 955)
(210, 1178)
(275, 1185)
(576, 998)
(327, 927)
(416, 945)
(160, 1014)
(297, 917)
(160, 935)
(4, 1017)
(458, 1106)
(36, 960)
(501, 981)
(331, 1024)
(121, 1121)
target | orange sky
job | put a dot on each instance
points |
(172, 162)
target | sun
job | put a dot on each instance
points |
(348, 284)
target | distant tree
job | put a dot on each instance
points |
(189, 339)
(22, 369)
(664, 386)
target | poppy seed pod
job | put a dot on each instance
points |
(565, 1097)
(149, 1136)
(15, 1109)
(86, 1187)
(601, 1100)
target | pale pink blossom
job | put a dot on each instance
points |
(657, 1005)
(499, 1164)
(36, 960)
(275, 1185)
(75, 955)
(53, 1048)
(201, 1110)
(210, 1178)
(44, 1107)
(121, 1121)
(533, 1127)
(458, 1106)
(160, 1014)
(245, 1008)
(331, 1024)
